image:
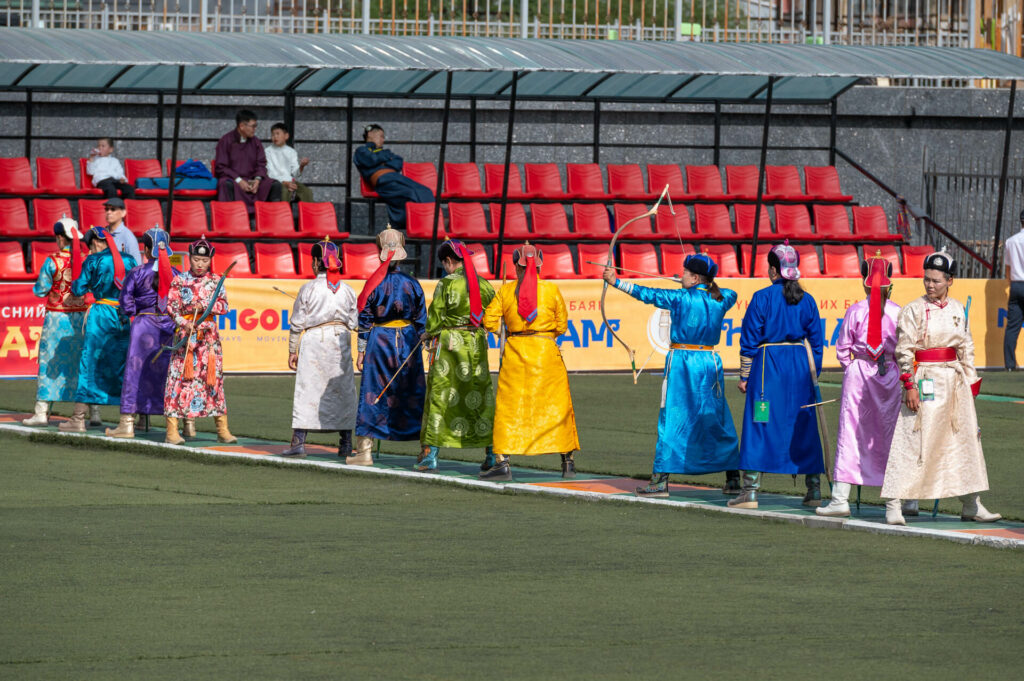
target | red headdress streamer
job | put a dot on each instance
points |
(332, 263)
(527, 301)
(115, 254)
(876, 280)
(374, 281)
(476, 310)
(165, 274)
(76, 254)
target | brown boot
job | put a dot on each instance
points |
(224, 435)
(364, 452)
(173, 436)
(77, 422)
(125, 427)
(189, 428)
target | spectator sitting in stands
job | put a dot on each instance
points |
(106, 171)
(284, 165)
(240, 165)
(382, 170)
(126, 242)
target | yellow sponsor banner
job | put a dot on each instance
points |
(254, 332)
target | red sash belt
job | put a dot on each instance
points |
(936, 355)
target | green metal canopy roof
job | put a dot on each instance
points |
(338, 65)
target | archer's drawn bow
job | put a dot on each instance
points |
(202, 318)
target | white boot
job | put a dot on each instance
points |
(973, 510)
(40, 417)
(364, 452)
(95, 419)
(893, 514)
(910, 508)
(839, 507)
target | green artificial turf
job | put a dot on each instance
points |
(122, 566)
(617, 425)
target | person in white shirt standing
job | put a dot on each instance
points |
(284, 165)
(106, 171)
(1013, 256)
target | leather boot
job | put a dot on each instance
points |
(973, 510)
(839, 507)
(188, 428)
(893, 514)
(125, 427)
(568, 466)
(748, 497)
(298, 448)
(76, 424)
(500, 472)
(657, 488)
(40, 417)
(911, 508)
(344, 444)
(364, 452)
(813, 495)
(732, 483)
(224, 435)
(489, 460)
(95, 418)
(427, 460)
(172, 436)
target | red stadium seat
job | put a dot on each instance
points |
(913, 259)
(306, 260)
(516, 226)
(760, 262)
(585, 180)
(783, 182)
(637, 258)
(557, 262)
(478, 254)
(16, 176)
(887, 251)
(149, 167)
(12, 262)
(741, 181)
(14, 220)
(823, 183)
(57, 176)
(40, 251)
(359, 261)
(660, 175)
(494, 174)
(724, 256)
(274, 261)
(317, 220)
(46, 212)
(810, 263)
(841, 261)
(549, 221)
(713, 221)
(274, 220)
(506, 267)
(424, 173)
(142, 214)
(793, 222)
(591, 253)
(229, 220)
(418, 218)
(641, 229)
(627, 182)
(91, 213)
(365, 190)
(673, 256)
(590, 221)
(188, 221)
(226, 253)
(871, 224)
(87, 186)
(467, 221)
(832, 222)
(544, 181)
(704, 182)
(669, 226)
(462, 180)
(745, 221)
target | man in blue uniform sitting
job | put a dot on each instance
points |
(382, 170)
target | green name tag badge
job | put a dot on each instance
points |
(926, 389)
(760, 411)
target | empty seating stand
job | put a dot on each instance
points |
(16, 177)
(627, 182)
(274, 260)
(544, 181)
(57, 176)
(12, 262)
(494, 177)
(14, 220)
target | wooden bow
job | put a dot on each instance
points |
(611, 263)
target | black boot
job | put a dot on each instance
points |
(732, 483)
(345, 444)
(500, 472)
(298, 448)
(748, 497)
(657, 488)
(568, 466)
(813, 496)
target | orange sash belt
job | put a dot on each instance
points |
(188, 373)
(936, 355)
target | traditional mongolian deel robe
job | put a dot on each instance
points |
(936, 452)
(237, 159)
(60, 343)
(459, 408)
(322, 321)
(152, 328)
(395, 188)
(533, 414)
(773, 338)
(390, 326)
(695, 430)
(195, 375)
(870, 403)
(105, 348)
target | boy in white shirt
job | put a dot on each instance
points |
(106, 171)
(284, 165)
